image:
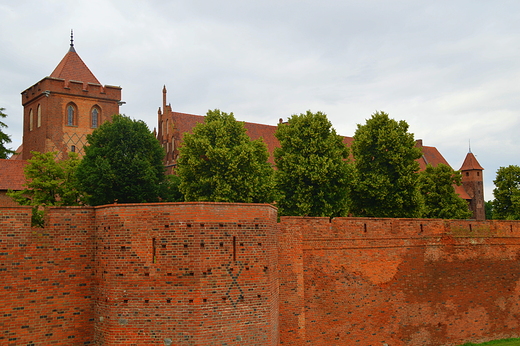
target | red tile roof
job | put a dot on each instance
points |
(431, 156)
(18, 154)
(72, 67)
(470, 163)
(11, 174)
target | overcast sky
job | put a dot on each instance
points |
(451, 69)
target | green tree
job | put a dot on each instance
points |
(218, 162)
(488, 206)
(386, 180)
(4, 138)
(122, 163)
(313, 174)
(170, 191)
(506, 205)
(49, 182)
(436, 185)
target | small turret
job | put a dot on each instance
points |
(473, 183)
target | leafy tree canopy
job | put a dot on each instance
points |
(122, 163)
(386, 179)
(4, 138)
(170, 191)
(506, 205)
(313, 174)
(440, 199)
(488, 207)
(49, 182)
(218, 162)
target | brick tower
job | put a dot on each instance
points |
(473, 183)
(61, 109)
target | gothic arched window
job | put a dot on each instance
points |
(39, 116)
(94, 118)
(71, 115)
(31, 120)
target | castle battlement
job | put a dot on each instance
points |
(57, 86)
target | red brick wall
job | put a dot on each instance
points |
(187, 273)
(46, 278)
(209, 273)
(399, 281)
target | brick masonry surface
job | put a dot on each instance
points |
(148, 274)
(354, 281)
(229, 274)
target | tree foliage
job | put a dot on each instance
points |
(122, 163)
(170, 191)
(313, 174)
(4, 138)
(218, 162)
(488, 207)
(385, 168)
(49, 182)
(506, 205)
(440, 199)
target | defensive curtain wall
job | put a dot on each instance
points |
(229, 274)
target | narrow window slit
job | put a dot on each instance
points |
(234, 248)
(154, 258)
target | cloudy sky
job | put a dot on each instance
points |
(451, 69)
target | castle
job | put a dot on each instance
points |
(61, 109)
(235, 274)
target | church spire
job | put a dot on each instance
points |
(71, 49)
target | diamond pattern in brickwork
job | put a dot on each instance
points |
(79, 141)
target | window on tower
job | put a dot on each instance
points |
(71, 115)
(94, 118)
(39, 116)
(31, 120)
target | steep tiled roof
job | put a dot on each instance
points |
(470, 163)
(431, 156)
(11, 174)
(72, 67)
(18, 154)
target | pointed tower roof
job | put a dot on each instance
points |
(72, 67)
(471, 163)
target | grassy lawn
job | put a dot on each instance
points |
(505, 342)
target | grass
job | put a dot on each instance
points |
(504, 342)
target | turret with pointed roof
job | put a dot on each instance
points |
(473, 183)
(63, 108)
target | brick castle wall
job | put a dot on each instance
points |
(215, 274)
(357, 281)
(46, 278)
(187, 274)
(143, 274)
